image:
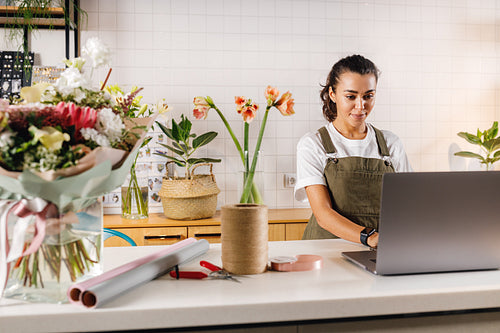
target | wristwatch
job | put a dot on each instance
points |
(365, 233)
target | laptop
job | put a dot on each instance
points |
(436, 222)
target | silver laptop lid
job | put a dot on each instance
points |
(439, 221)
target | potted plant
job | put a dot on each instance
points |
(193, 196)
(489, 143)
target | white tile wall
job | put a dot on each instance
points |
(439, 61)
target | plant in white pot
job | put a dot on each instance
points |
(489, 143)
(193, 196)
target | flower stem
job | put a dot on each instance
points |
(249, 180)
(230, 130)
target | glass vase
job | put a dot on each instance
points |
(70, 252)
(135, 198)
(256, 190)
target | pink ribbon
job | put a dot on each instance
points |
(22, 209)
(36, 207)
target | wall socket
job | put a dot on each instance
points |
(289, 179)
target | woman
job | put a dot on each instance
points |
(340, 167)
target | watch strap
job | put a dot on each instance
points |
(365, 234)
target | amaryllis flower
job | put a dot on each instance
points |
(248, 112)
(285, 104)
(271, 94)
(241, 102)
(201, 107)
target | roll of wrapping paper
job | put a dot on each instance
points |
(101, 290)
(75, 291)
(244, 237)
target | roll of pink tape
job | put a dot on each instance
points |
(301, 262)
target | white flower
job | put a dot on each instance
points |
(92, 135)
(69, 80)
(110, 124)
(97, 51)
(6, 139)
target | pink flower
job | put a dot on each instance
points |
(285, 104)
(248, 112)
(80, 117)
(240, 101)
(201, 111)
(271, 94)
(200, 101)
(201, 107)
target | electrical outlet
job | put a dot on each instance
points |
(289, 179)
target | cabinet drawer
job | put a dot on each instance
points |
(294, 231)
(134, 233)
(276, 232)
(163, 236)
(211, 233)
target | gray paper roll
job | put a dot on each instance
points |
(109, 289)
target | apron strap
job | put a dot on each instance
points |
(326, 140)
(382, 145)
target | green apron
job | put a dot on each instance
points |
(354, 184)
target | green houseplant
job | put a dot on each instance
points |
(489, 143)
(193, 196)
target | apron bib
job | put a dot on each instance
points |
(354, 184)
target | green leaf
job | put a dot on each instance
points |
(493, 131)
(204, 139)
(497, 154)
(180, 146)
(167, 131)
(176, 160)
(177, 132)
(476, 140)
(176, 151)
(495, 145)
(469, 154)
(185, 124)
(203, 160)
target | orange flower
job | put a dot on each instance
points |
(285, 104)
(249, 112)
(240, 101)
(271, 94)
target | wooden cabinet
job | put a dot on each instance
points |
(284, 224)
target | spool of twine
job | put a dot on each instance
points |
(244, 236)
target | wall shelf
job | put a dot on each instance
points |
(50, 18)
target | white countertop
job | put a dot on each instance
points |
(339, 290)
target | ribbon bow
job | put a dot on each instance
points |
(23, 209)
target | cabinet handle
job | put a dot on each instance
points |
(214, 234)
(163, 237)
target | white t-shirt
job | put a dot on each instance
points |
(312, 157)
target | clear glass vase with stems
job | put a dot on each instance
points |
(257, 188)
(135, 197)
(69, 253)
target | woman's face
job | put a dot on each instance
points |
(355, 98)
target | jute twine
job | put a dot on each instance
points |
(244, 237)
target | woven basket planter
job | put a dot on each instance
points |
(189, 199)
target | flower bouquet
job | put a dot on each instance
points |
(248, 111)
(61, 149)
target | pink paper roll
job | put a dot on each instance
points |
(77, 289)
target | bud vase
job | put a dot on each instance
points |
(70, 252)
(135, 197)
(256, 190)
